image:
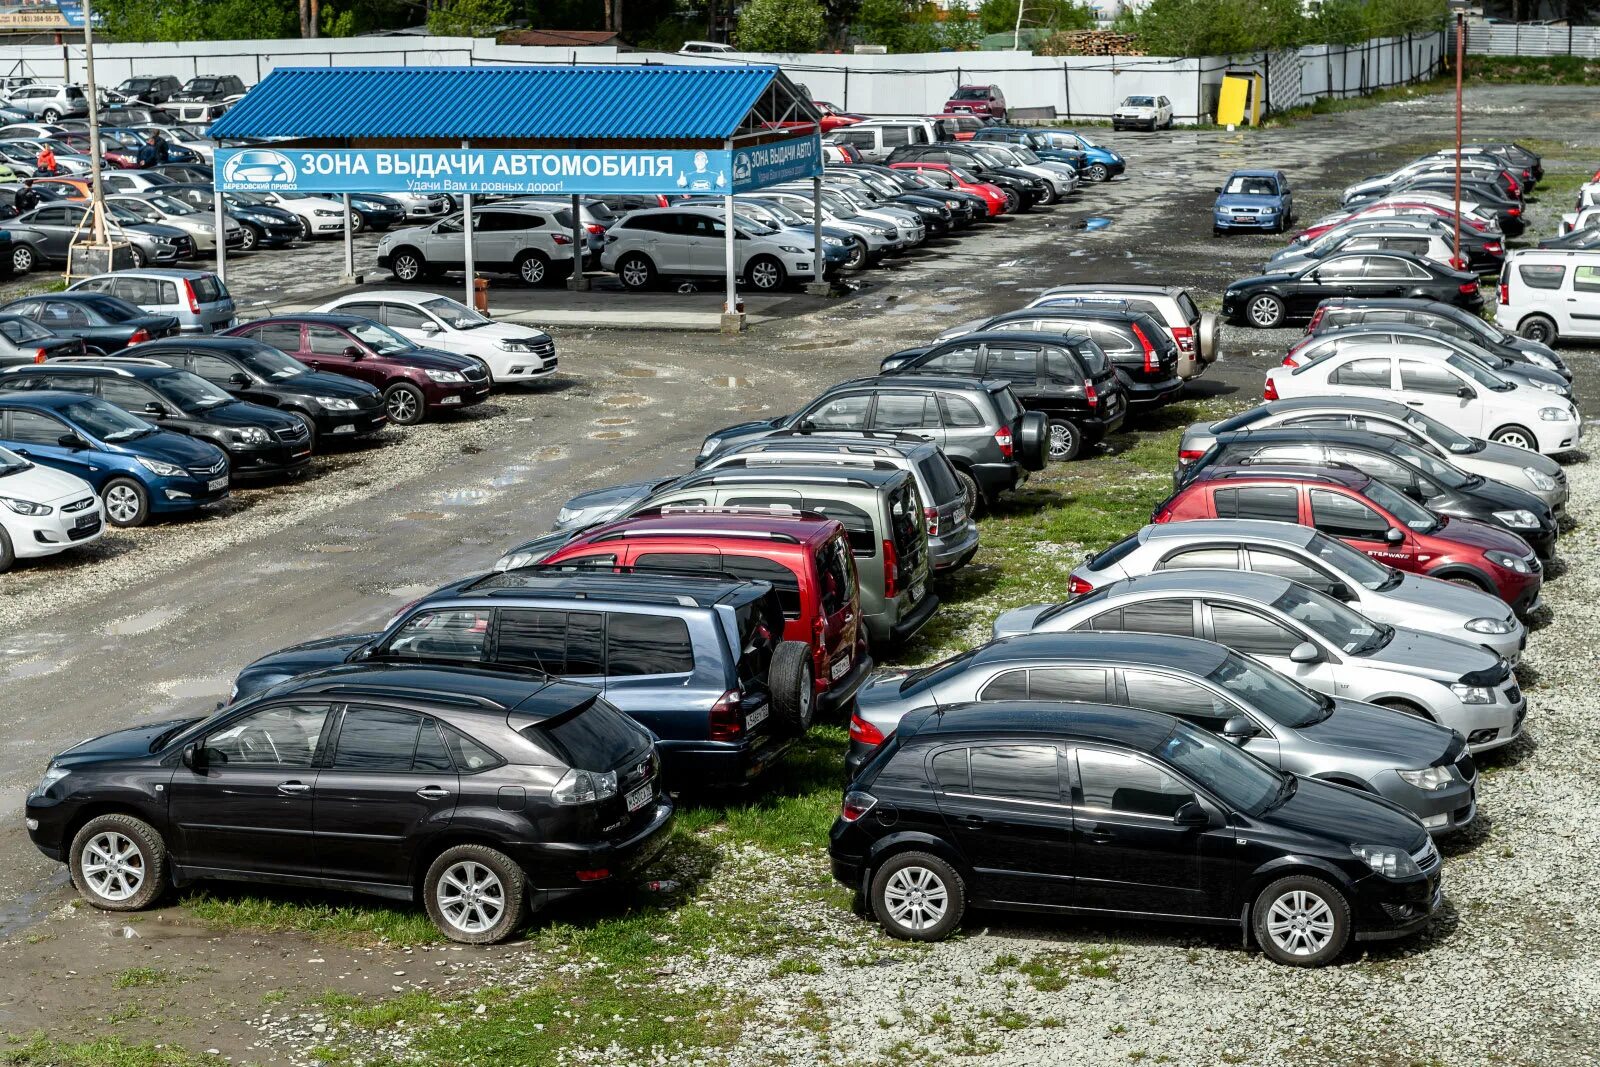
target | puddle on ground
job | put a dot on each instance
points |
(1094, 222)
(625, 400)
(548, 452)
(638, 372)
(607, 435)
(465, 497)
(729, 381)
(279, 566)
(614, 420)
(812, 346)
(139, 624)
(352, 548)
(37, 669)
(944, 307)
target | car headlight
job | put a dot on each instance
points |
(1430, 778)
(792, 250)
(1539, 360)
(1487, 625)
(1552, 387)
(833, 242)
(1508, 561)
(156, 467)
(1555, 414)
(1473, 694)
(250, 435)
(953, 205)
(25, 507)
(338, 404)
(1389, 862)
(883, 231)
(324, 213)
(448, 376)
(52, 774)
(925, 209)
(513, 560)
(1518, 518)
(587, 787)
(516, 345)
(708, 447)
(1541, 481)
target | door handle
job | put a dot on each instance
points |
(1413, 403)
(970, 820)
(432, 792)
(293, 789)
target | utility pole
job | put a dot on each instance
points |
(1460, 8)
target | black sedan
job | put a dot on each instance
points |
(103, 322)
(1269, 301)
(1436, 484)
(375, 212)
(331, 405)
(265, 226)
(1588, 237)
(25, 341)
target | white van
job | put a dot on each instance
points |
(1550, 294)
(875, 139)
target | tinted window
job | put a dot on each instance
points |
(469, 756)
(214, 370)
(1219, 558)
(857, 523)
(1009, 685)
(1016, 772)
(646, 644)
(377, 739)
(956, 361)
(405, 317)
(284, 735)
(1173, 696)
(595, 737)
(536, 639)
(1273, 503)
(959, 413)
(130, 396)
(1160, 617)
(1342, 516)
(31, 428)
(1365, 373)
(1014, 364)
(326, 341)
(1245, 631)
(904, 411)
(950, 771)
(1344, 268)
(284, 336)
(837, 576)
(431, 754)
(1286, 566)
(940, 478)
(841, 413)
(1541, 275)
(1114, 782)
(1087, 684)
(457, 634)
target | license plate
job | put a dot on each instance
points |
(87, 522)
(840, 668)
(640, 797)
(916, 592)
(1244, 218)
(217, 483)
(756, 718)
(960, 516)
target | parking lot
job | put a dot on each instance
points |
(751, 956)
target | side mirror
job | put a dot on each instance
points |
(1191, 814)
(1218, 190)
(431, 327)
(1305, 652)
(1341, 592)
(194, 757)
(1394, 535)
(353, 351)
(155, 409)
(239, 378)
(805, 426)
(1240, 729)
(1466, 392)
(72, 441)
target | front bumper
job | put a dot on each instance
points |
(1441, 811)
(1385, 908)
(441, 396)
(1224, 221)
(356, 423)
(45, 535)
(245, 461)
(169, 495)
(1557, 437)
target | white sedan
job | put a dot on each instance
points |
(513, 353)
(44, 511)
(318, 215)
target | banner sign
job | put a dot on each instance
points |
(513, 171)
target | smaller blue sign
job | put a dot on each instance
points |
(780, 161)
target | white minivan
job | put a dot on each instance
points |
(1550, 294)
(1465, 396)
(876, 139)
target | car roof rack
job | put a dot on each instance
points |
(776, 511)
(1308, 473)
(689, 531)
(136, 361)
(760, 461)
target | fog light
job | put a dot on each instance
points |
(177, 494)
(1436, 822)
(1478, 737)
(596, 875)
(33, 824)
(345, 427)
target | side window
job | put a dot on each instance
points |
(1542, 275)
(905, 411)
(1245, 631)
(1114, 782)
(841, 413)
(647, 644)
(1389, 268)
(1380, 467)
(367, 309)
(784, 581)
(959, 412)
(284, 336)
(404, 317)
(1344, 268)
(857, 523)
(1160, 617)
(532, 638)
(833, 564)
(1272, 503)
(1362, 373)
(1285, 566)
(455, 634)
(1008, 685)
(1084, 684)
(431, 754)
(1342, 516)
(1016, 772)
(962, 361)
(1017, 364)
(1174, 696)
(950, 773)
(58, 313)
(326, 341)
(284, 735)
(680, 562)
(1061, 367)
(1216, 558)
(1427, 378)
(214, 370)
(32, 428)
(1586, 279)
(1279, 454)
(129, 396)
(894, 136)
(377, 739)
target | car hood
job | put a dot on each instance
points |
(154, 229)
(131, 743)
(265, 212)
(42, 485)
(748, 429)
(610, 499)
(242, 413)
(535, 551)
(1369, 732)
(1228, 201)
(1480, 535)
(1498, 496)
(432, 359)
(1434, 595)
(1418, 653)
(1336, 813)
(1019, 620)
(296, 660)
(332, 386)
(1512, 456)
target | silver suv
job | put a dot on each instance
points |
(1324, 563)
(1196, 332)
(50, 103)
(532, 242)
(646, 246)
(1309, 637)
(1421, 766)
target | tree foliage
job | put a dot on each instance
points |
(1224, 27)
(197, 20)
(900, 25)
(780, 26)
(1000, 16)
(468, 18)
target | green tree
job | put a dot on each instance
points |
(780, 26)
(1000, 16)
(468, 18)
(197, 20)
(961, 29)
(900, 25)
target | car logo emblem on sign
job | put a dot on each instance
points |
(259, 166)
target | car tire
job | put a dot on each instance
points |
(635, 271)
(533, 268)
(1300, 921)
(311, 428)
(118, 863)
(1013, 201)
(1518, 436)
(305, 230)
(765, 274)
(1405, 707)
(23, 259)
(859, 254)
(138, 257)
(916, 896)
(1096, 172)
(358, 222)
(404, 404)
(1050, 195)
(125, 502)
(252, 239)
(793, 688)
(51, 116)
(1540, 328)
(1032, 449)
(1467, 581)
(970, 490)
(1066, 441)
(1265, 312)
(408, 265)
(8, 555)
(475, 895)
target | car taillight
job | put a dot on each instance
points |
(561, 239)
(856, 804)
(891, 569)
(1091, 397)
(140, 336)
(932, 517)
(1002, 437)
(1505, 293)
(1077, 586)
(727, 717)
(39, 355)
(1190, 455)
(1150, 349)
(1270, 392)
(595, 227)
(819, 646)
(1469, 287)
(1458, 262)
(1316, 317)
(194, 301)
(863, 731)
(1494, 247)
(1184, 335)
(1513, 211)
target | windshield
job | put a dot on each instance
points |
(1331, 620)
(250, 199)
(380, 339)
(11, 463)
(1402, 507)
(1440, 434)
(782, 214)
(202, 85)
(172, 206)
(18, 329)
(1251, 185)
(1352, 563)
(191, 392)
(971, 92)
(1140, 101)
(270, 363)
(938, 672)
(1479, 374)
(455, 314)
(963, 175)
(104, 421)
(1027, 155)
(837, 205)
(1286, 702)
(1446, 475)
(134, 85)
(1237, 778)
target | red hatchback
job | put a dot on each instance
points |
(1367, 514)
(806, 559)
(951, 178)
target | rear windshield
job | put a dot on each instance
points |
(592, 737)
(905, 512)
(1093, 358)
(1101, 560)
(1006, 401)
(208, 289)
(1191, 314)
(941, 479)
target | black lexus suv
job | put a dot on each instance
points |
(482, 793)
(258, 440)
(330, 405)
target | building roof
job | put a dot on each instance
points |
(545, 103)
(560, 38)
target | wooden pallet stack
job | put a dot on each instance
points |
(1091, 43)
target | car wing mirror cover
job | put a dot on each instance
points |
(1305, 652)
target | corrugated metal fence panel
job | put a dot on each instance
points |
(1525, 39)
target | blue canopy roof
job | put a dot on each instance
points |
(611, 103)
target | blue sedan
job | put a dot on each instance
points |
(1253, 200)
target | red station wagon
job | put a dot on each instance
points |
(806, 559)
(1367, 514)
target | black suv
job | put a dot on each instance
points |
(1059, 808)
(485, 793)
(694, 659)
(152, 89)
(258, 440)
(1069, 379)
(329, 404)
(1436, 484)
(981, 425)
(1340, 312)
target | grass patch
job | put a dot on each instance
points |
(141, 977)
(41, 1051)
(1531, 70)
(1333, 105)
(359, 921)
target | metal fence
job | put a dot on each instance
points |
(1529, 39)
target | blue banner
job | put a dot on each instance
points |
(513, 171)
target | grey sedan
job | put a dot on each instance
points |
(1419, 765)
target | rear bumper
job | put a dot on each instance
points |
(552, 866)
(996, 478)
(702, 764)
(843, 691)
(1154, 394)
(948, 553)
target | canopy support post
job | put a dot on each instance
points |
(732, 308)
(349, 243)
(579, 281)
(820, 286)
(466, 235)
(220, 214)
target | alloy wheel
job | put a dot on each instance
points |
(1516, 439)
(1097, 172)
(122, 503)
(22, 259)
(916, 897)
(635, 274)
(1300, 923)
(113, 865)
(406, 268)
(471, 897)
(401, 405)
(1265, 312)
(764, 275)
(1062, 443)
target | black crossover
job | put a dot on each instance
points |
(1273, 300)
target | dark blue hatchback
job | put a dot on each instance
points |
(137, 469)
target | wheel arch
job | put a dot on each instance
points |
(444, 840)
(1287, 867)
(89, 812)
(912, 841)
